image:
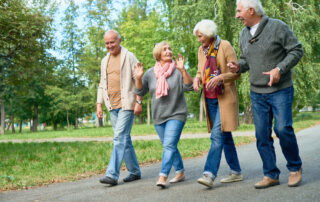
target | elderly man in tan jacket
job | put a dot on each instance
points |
(220, 99)
(116, 90)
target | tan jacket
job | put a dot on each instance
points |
(228, 101)
(127, 80)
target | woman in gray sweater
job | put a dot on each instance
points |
(166, 83)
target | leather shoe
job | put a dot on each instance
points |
(295, 178)
(131, 178)
(108, 180)
(161, 184)
(266, 182)
(177, 179)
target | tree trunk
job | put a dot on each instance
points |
(55, 125)
(3, 124)
(20, 126)
(247, 117)
(76, 122)
(35, 119)
(68, 119)
(12, 124)
(148, 111)
(201, 109)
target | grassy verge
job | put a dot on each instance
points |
(302, 120)
(34, 164)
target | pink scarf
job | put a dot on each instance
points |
(161, 74)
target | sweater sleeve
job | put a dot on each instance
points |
(292, 47)
(242, 61)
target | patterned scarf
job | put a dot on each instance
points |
(211, 69)
(161, 74)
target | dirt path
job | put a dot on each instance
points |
(109, 139)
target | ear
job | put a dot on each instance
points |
(252, 11)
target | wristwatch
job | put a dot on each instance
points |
(139, 102)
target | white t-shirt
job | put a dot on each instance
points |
(253, 29)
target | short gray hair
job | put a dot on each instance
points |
(255, 4)
(158, 48)
(206, 27)
(114, 31)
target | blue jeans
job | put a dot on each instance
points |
(169, 133)
(122, 121)
(220, 140)
(264, 108)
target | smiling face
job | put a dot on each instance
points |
(166, 54)
(112, 42)
(245, 15)
(203, 39)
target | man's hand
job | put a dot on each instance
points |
(212, 84)
(234, 67)
(196, 84)
(99, 111)
(274, 76)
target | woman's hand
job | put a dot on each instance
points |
(138, 68)
(196, 84)
(179, 63)
(212, 84)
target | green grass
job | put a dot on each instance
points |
(302, 120)
(34, 164)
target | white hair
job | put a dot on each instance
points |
(255, 4)
(114, 31)
(206, 27)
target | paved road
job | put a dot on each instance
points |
(189, 190)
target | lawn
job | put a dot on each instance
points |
(302, 120)
(33, 164)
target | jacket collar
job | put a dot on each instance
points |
(260, 28)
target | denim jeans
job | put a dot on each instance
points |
(275, 105)
(169, 133)
(220, 140)
(122, 121)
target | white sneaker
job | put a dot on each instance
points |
(232, 178)
(206, 181)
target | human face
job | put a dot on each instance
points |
(245, 15)
(166, 54)
(112, 43)
(203, 39)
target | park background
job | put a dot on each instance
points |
(50, 54)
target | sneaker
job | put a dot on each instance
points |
(206, 181)
(295, 178)
(108, 180)
(232, 178)
(266, 182)
(131, 178)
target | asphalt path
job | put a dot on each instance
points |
(145, 190)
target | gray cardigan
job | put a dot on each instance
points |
(170, 107)
(273, 45)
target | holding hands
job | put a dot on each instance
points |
(233, 66)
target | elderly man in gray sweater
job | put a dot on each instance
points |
(269, 51)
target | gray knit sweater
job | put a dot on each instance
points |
(170, 107)
(273, 45)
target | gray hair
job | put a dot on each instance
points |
(255, 4)
(158, 48)
(114, 31)
(206, 27)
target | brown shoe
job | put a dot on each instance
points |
(266, 182)
(295, 178)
